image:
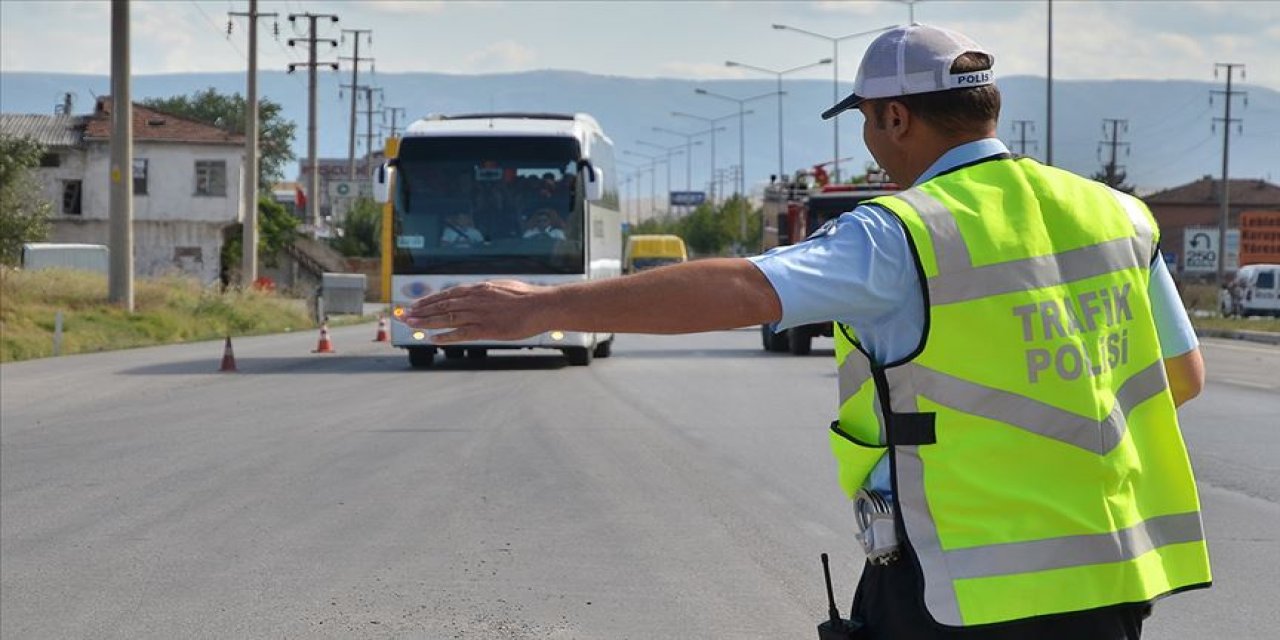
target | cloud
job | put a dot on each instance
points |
(500, 57)
(847, 7)
(404, 7)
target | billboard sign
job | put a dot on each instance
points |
(687, 198)
(350, 189)
(1260, 237)
(1200, 248)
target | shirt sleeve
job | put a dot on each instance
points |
(855, 269)
(1173, 327)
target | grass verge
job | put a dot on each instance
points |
(166, 311)
(1201, 300)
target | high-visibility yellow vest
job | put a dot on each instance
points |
(1036, 458)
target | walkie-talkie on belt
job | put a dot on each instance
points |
(835, 627)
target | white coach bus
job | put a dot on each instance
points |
(524, 196)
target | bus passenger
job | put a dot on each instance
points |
(460, 231)
(544, 223)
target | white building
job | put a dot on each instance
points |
(186, 184)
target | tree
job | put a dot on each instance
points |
(361, 231)
(24, 214)
(277, 228)
(1114, 178)
(275, 137)
(709, 229)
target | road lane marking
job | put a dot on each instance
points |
(1235, 346)
(1248, 383)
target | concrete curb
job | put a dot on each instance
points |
(1264, 337)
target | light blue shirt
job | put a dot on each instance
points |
(860, 271)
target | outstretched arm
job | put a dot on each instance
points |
(705, 295)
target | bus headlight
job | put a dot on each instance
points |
(557, 335)
(419, 335)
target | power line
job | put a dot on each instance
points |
(1226, 121)
(215, 26)
(355, 61)
(313, 202)
(1179, 157)
(394, 111)
(1022, 126)
(1113, 176)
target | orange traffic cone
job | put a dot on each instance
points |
(228, 358)
(382, 330)
(325, 346)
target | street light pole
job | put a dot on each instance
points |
(741, 135)
(779, 73)
(835, 77)
(688, 145)
(669, 151)
(712, 123)
(653, 182)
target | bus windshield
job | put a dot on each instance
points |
(488, 205)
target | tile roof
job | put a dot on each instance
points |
(1244, 192)
(51, 131)
(152, 125)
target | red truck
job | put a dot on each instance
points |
(793, 211)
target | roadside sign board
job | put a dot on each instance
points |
(687, 198)
(350, 188)
(1200, 249)
(1260, 237)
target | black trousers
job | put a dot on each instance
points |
(889, 603)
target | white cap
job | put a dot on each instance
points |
(913, 59)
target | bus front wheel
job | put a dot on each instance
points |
(578, 356)
(421, 357)
(604, 349)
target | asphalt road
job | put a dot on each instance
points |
(681, 489)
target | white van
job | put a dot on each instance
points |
(1255, 291)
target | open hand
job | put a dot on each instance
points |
(497, 310)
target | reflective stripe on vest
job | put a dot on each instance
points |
(1055, 478)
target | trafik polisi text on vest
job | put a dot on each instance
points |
(1104, 311)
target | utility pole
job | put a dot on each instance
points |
(355, 60)
(1226, 121)
(1023, 142)
(120, 269)
(394, 111)
(1048, 122)
(368, 114)
(1111, 170)
(313, 188)
(249, 238)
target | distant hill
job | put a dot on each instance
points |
(1169, 122)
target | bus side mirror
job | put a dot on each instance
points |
(595, 184)
(382, 178)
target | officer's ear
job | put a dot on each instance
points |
(898, 119)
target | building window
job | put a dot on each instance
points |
(139, 176)
(49, 160)
(211, 178)
(71, 197)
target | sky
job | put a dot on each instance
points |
(1093, 39)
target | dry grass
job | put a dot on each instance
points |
(166, 310)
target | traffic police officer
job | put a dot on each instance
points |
(1010, 351)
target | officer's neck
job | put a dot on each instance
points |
(920, 156)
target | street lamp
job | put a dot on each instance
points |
(653, 176)
(911, 10)
(688, 143)
(669, 151)
(779, 74)
(741, 135)
(835, 76)
(712, 123)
